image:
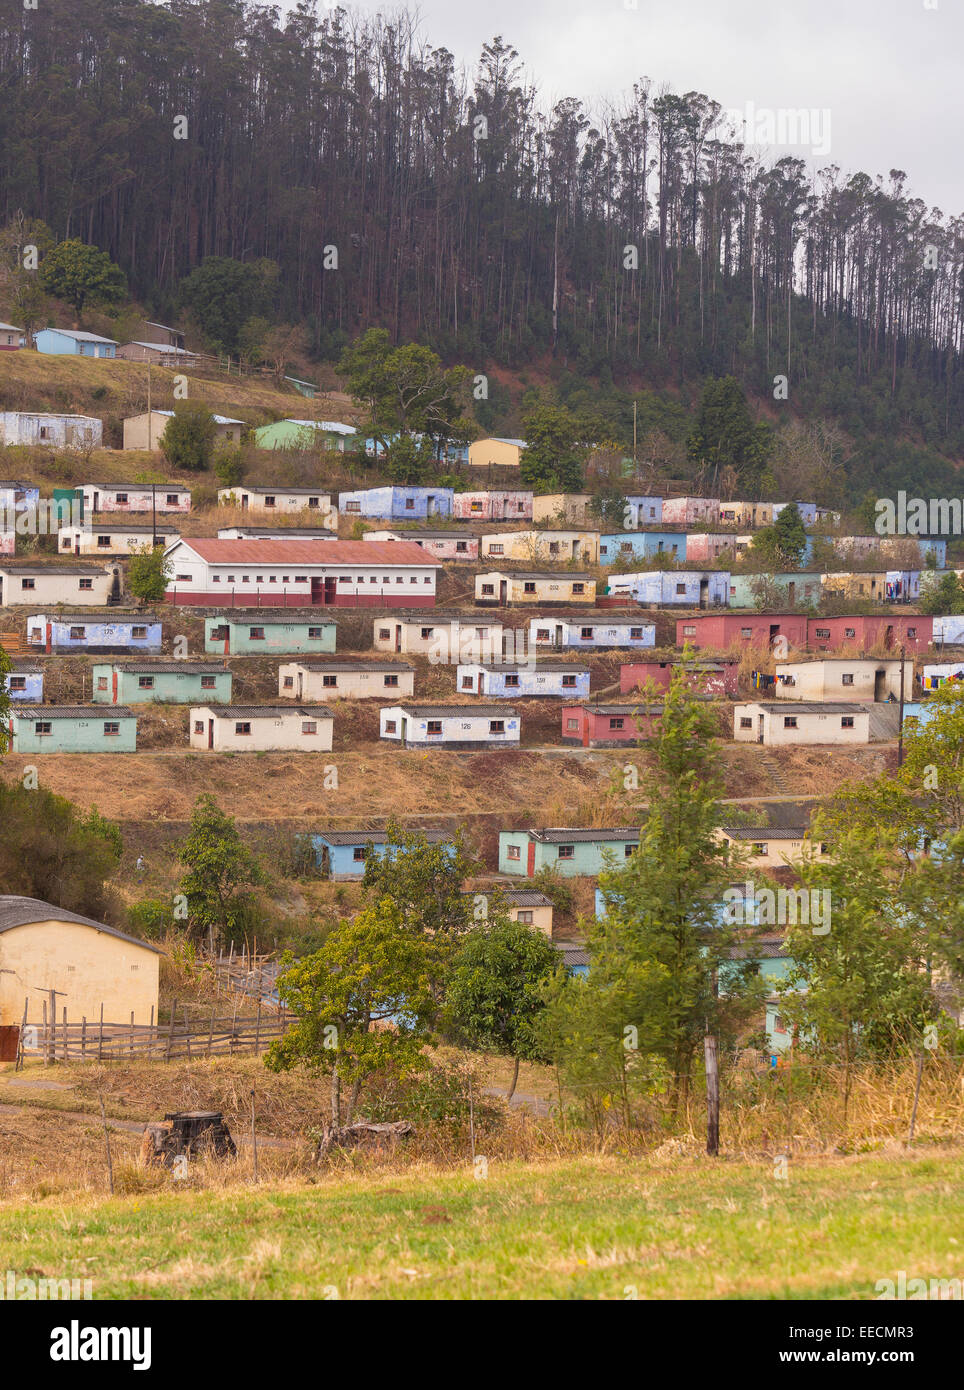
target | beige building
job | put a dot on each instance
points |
(769, 848)
(755, 514)
(146, 431)
(496, 453)
(780, 723)
(263, 728)
(96, 539)
(345, 680)
(498, 587)
(844, 678)
(52, 584)
(522, 905)
(88, 964)
(847, 585)
(566, 508)
(542, 547)
(445, 638)
(274, 501)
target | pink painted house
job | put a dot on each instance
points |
(690, 511)
(492, 506)
(862, 632)
(608, 726)
(720, 678)
(721, 631)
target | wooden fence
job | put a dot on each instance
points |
(101, 1041)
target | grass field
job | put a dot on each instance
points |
(592, 1228)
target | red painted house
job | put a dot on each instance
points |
(297, 574)
(710, 677)
(608, 726)
(861, 633)
(723, 631)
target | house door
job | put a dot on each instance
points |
(398, 637)
(77, 545)
(317, 589)
(404, 728)
(792, 592)
(759, 728)
(210, 733)
(330, 583)
(115, 588)
(704, 592)
(430, 508)
(503, 592)
(531, 859)
(244, 501)
(559, 635)
(774, 632)
(880, 685)
(95, 502)
(300, 683)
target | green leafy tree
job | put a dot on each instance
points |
(223, 295)
(408, 460)
(405, 389)
(221, 876)
(51, 850)
(148, 573)
(725, 435)
(555, 453)
(663, 903)
(363, 1004)
(229, 467)
(941, 594)
(82, 275)
(494, 993)
(189, 438)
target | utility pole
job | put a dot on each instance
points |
(153, 512)
(150, 417)
(635, 458)
(900, 717)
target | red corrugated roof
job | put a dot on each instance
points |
(360, 553)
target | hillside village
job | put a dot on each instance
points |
(391, 626)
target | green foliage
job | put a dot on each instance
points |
(725, 435)
(52, 851)
(555, 453)
(151, 919)
(148, 573)
(81, 275)
(229, 467)
(363, 1004)
(405, 389)
(221, 874)
(408, 460)
(222, 295)
(941, 594)
(189, 438)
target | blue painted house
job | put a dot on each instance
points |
(509, 680)
(587, 631)
(570, 852)
(72, 729)
(642, 511)
(95, 632)
(66, 342)
(341, 854)
(668, 588)
(397, 503)
(25, 683)
(445, 450)
(641, 545)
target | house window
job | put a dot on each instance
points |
(847, 721)
(790, 721)
(219, 633)
(849, 632)
(566, 851)
(19, 682)
(585, 634)
(256, 634)
(103, 542)
(313, 501)
(461, 546)
(467, 683)
(496, 726)
(912, 632)
(65, 543)
(496, 549)
(242, 728)
(314, 634)
(383, 634)
(181, 579)
(391, 681)
(207, 682)
(42, 727)
(111, 728)
(269, 502)
(360, 853)
(78, 633)
(681, 588)
(627, 850)
(512, 678)
(746, 632)
(145, 682)
(301, 579)
(287, 682)
(434, 727)
(352, 506)
(409, 504)
(822, 632)
(513, 852)
(689, 630)
(542, 634)
(122, 499)
(572, 723)
(329, 681)
(138, 634)
(525, 917)
(553, 547)
(759, 847)
(28, 584)
(390, 726)
(636, 633)
(427, 631)
(578, 588)
(475, 507)
(171, 500)
(746, 723)
(847, 678)
(528, 587)
(488, 588)
(309, 726)
(199, 726)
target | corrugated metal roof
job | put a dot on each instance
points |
(261, 617)
(255, 552)
(281, 533)
(764, 832)
(434, 711)
(36, 570)
(618, 709)
(72, 712)
(167, 668)
(268, 711)
(80, 336)
(21, 912)
(377, 837)
(109, 618)
(279, 489)
(563, 836)
(809, 706)
(570, 668)
(354, 665)
(555, 575)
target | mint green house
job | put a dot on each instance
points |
(798, 586)
(72, 729)
(305, 434)
(570, 852)
(177, 682)
(257, 632)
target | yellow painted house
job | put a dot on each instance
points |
(556, 547)
(87, 963)
(498, 587)
(496, 453)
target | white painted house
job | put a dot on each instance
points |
(451, 726)
(57, 431)
(93, 539)
(781, 724)
(581, 632)
(510, 680)
(445, 638)
(843, 678)
(345, 680)
(53, 584)
(277, 500)
(136, 497)
(263, 728)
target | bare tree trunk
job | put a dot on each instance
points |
(335, 1097)
(514, 1082)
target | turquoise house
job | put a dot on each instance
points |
(256, 633)
(341, 854)
(799, 586)
(65, 342)
(305, 434)
(72, 729)
(174, 682)
(573, 853)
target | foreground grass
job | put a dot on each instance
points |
(597, 1228)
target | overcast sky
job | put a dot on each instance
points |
(890, 73)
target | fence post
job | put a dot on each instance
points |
(100, 1040)
(65, 1033)
(46, 1039)
(83, 1039)
(170, 1033)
